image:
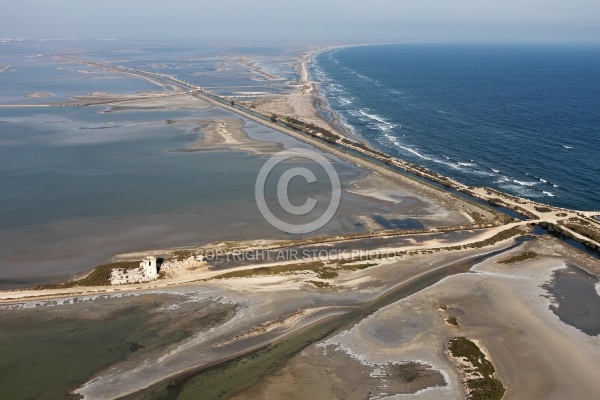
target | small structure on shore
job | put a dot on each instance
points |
(148, 271)
(149, 267)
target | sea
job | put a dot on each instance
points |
(524, 119)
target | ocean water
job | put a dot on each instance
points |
(522, 119)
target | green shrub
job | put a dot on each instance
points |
(100, 276)
(278, 269)
(528, 255)
(320, 284)
(327, 274)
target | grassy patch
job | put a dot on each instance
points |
(485, 388)
(528, 255)
(318, 267)
(100, 276)
(559, 229)
(326, 273)
(478, 218)
(320, 284)
(463, 347)
(507, 234)
(278, 269)
(181, 255)
(543, 209)
(586, 231)
(357, 267)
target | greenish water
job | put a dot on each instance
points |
(53, 347)
(43, 357)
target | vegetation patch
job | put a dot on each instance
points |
(543, 209)
(320, 284)
(181, 255)
(559, 230)
(478, 218)
(478, 372)
(276, 270)
(507, 234)
(528, 255)
(326, 273)
(451, 321)
(584, 230)
(100, 276)
(357, 267)
(347, 264)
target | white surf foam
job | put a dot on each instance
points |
(373, 116)
(481, 173)
(524, 191)
(525, 183)
(385, 127)
(414, 151)
(344, 100)
(450, 164)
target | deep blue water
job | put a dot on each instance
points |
(522, 119)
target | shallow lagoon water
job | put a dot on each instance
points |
(81, 185)
(48, 349)
(576, 300)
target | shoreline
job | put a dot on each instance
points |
(17, 295)
(334, 113)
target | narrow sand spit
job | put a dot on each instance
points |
(227, 134)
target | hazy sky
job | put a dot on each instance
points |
(373, 20)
